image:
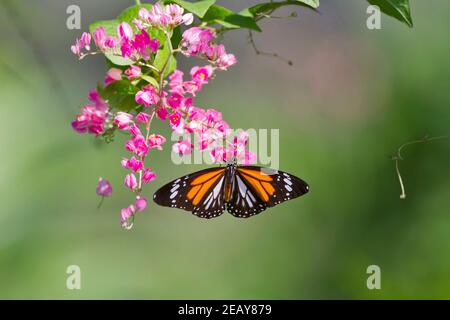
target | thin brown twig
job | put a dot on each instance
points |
(267, 54)
(398, 157)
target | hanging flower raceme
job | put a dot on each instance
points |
(142, 84)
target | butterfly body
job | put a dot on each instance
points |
(243, 191)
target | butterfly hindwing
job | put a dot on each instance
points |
(200, 193)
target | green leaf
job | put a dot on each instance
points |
(151, 80)
(119, 94)
(110, 27)
(122, 102)
(229, 19)
(161, 57)
(121, 87)
(310, 3)
(199, 8)
(176, 37)
(130, 13)
(399, 9)
(118, 60)
(270, 6)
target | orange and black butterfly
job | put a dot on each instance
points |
(244, 190)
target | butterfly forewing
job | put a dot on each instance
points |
(200, 192)
(272, 186)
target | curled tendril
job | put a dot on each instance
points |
(398, 157)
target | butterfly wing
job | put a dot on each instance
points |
(201, 193)
(244, 201)
(262, 188)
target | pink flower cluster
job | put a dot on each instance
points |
(93, 116)
(172, 100)
(197, 41)
(139, 146)
(170, 15)
(136, 46)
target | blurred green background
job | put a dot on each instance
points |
(352, 97)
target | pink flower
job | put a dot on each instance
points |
(110, 42)
(124, 31)
(175, 119)
(195, 40)
(137, 145)
(113, 75)
(201, 75)
(130, 181)
(100, 104)
(219, 154)
(83, 43)
(100, 38)
(188, 18)
(126, 215)
(225, 61)
(144, 45)
(143, 117)
(90, 120)
(140, 204)
(248, 158)
(134, 130)
(212, 116)
(147, 96)
(123, 120)
(148, 176)
(155, 141)
(192, 87)
(104, 188)
(144, 14)
(182, 147)
(133, 72)
(176, 82)
(127, 49)
(157, 16)
(132, 164)
(175, 14)
(162, 113)
(175, 100)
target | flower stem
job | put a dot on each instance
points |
(138, 2)
(163, 70)
(100, 203)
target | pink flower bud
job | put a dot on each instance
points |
(124, 31)
(148, 176)
(110, 42)
(182, 147)
(104, 188)
(123, 120)
(130, 181)
(99, 38)
(86, 40)
(188, 18)
(134, 130)
(126, 215)
(143, 117)
(113, 75)
(140, 204)
(133, 72)
(155, 141)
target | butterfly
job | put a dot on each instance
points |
(243, 190)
